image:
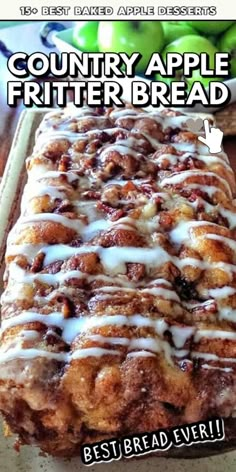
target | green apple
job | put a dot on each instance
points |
(210, 27)
(176, 29)
(144, 37)
(191, 43)
(212, 39)
(227, 43)
(85, 36)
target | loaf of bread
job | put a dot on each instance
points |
(119, 309)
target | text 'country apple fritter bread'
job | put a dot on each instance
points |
(119, 309)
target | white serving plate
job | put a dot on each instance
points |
(63, 41)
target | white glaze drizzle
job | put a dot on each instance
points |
(180, 177)
(207, 159)
(211, 357)
(114, 259)
(211, 367)
(71, 327)
(214, 334)
(30, 354)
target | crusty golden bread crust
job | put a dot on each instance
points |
(119, 308)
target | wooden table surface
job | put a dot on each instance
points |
(10, 116)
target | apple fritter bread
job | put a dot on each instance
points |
(119, 309)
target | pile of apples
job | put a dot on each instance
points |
(147, 37)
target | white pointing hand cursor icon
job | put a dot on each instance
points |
(213, 139)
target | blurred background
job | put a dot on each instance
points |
(14, 37)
